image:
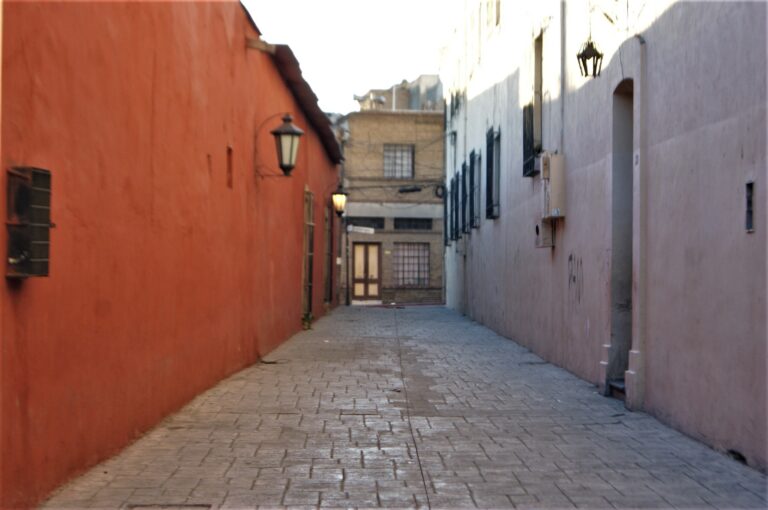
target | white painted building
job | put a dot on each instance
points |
(649, 274)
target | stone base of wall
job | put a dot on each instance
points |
(404, 296)
(421, 296)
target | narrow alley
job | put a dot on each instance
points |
(411, 407)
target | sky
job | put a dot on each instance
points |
(346, 47)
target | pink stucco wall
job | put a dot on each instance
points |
(699, 279)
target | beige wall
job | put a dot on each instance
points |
(364, 154)
(698, 278)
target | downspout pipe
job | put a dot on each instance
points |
(638, 352)
(563, 76)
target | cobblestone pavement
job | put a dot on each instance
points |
(415, 407)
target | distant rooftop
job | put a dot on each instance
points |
(425, 93)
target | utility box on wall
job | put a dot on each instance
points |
(29, 222)
(545, 236)
(553, 186)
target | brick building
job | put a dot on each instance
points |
(392, 170)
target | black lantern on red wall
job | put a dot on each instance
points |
(287, 139)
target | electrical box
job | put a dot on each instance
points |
(29, 222)
(553, 188)
(545, 237)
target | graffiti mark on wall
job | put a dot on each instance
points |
(575, 277)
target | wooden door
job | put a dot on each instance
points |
(366, 281)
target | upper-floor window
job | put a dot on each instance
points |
(398, 161)
(464, 197)
(413, 223)
(493, 174)
(366, 221)
(474, 189)
(492, 13)
(532, 114)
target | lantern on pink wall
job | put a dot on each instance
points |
(590, 59)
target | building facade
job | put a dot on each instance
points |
(393, 167)
(615, 224)
(180, 252)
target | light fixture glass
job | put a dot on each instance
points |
(287, 141)
(339, 198)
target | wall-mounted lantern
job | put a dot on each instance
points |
(339, 198)
(590, 56)
(287, 140)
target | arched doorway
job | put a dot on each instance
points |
(622, 191)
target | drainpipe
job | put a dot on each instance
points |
(562, 76)
(638, 353)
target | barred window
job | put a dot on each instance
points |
(413, 223)
(474, 189)
(464, 196)
(411, 264)
(493, 174)
(398, 161)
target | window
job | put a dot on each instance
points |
(449, 194)
(309, 247)
(455, 209)
(413, 223)
(464, 194)
(446, 236)
(327, 287)
(492, 171)
(532, 115)
(537, 95)
(366, 221)
(474, 190)
(411, 264)
(453, 149)
(493, 13)
(398, 161)
(529, 154)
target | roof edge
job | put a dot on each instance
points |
(289, 69)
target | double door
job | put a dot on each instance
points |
(366, 274)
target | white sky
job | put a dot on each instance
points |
(347, 47)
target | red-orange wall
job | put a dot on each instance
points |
(163, 279)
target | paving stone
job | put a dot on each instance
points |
(410, 408)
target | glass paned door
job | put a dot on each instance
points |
(366, 271)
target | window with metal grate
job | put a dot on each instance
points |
(398, 161)
(366, 221)
(29, 222)
(411, 265)
(492, 169)
(464, 201)
(413, 223)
